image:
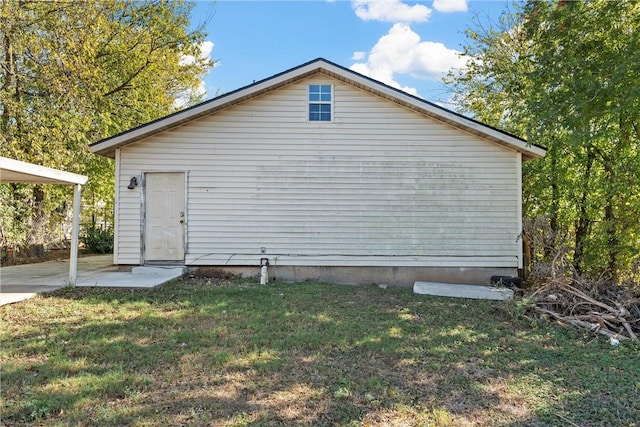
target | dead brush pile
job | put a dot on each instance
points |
(612, 310)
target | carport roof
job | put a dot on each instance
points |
(17, 171)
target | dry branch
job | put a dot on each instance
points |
(582, 324)
(573, 302)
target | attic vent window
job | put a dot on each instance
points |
(320, 97)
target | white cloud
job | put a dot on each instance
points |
(401, 51)
(383, 74)
(185, 98)
(445, 6)
(204, 55)
(358, 56)
(206, 47)
(390, 10)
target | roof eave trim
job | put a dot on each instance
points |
(41, 174)
(108, 146)
(529, 150)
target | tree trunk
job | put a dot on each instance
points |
(582, 222)
(550, 241)
(612, 241)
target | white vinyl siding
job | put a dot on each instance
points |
(379, 185)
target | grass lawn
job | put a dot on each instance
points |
(203, 352)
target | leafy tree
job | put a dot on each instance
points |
(566, 75)
(74, 72)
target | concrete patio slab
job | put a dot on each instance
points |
(138, 277)
(24, 281)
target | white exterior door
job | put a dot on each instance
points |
(164, 216)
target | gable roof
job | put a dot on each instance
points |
(107, 146)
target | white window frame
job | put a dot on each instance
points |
(319, 102)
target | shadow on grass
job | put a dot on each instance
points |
(197, 353)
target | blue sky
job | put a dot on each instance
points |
(406, 44)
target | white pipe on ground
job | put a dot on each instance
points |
(264, 275)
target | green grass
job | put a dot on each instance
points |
(197, 352)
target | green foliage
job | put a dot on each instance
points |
(75, 72)
(567, 76)
(98, 240)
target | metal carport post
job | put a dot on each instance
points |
(29, 173)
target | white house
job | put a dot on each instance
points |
(326, 174)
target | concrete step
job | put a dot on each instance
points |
(159, 270)
(138, 277)
(462, 291)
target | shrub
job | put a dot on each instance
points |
(98, 240)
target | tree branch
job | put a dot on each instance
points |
(128, 81)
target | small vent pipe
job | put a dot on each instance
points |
(264, 271)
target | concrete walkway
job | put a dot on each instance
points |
(20, 282)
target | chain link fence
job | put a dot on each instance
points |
(38, 234)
